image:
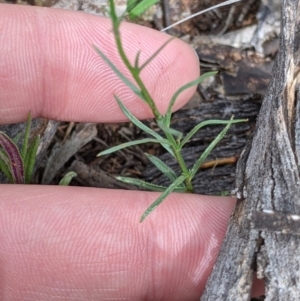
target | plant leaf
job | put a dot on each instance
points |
(67, 178)
(5, 166)
(208, 150)
(131, 143)
(140, 7)
(131, 4)
(205, 123)
(16, 138)
(146, 185)
(156, 53)
(30, 159)
(136, 61)
(125, 80)
(26, 137)
(184, 87)
(166, 129)
(163, 196)
(164, 168)
(141, 125)
(15, 159)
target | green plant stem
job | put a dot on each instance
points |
(135, 73)
(133, 70)
(184, 170)
(180, 160)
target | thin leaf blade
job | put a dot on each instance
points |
(131, 4)
(140, 8)
(145, 185)
(164, 168)
(166, 129)
(125, 80)
(199, 126)
(136, 61)
(67, 178)
(30, 159)
(5, 166)
(131, 143)
(209, 149)
(156, 53)
(184, 87)
(141, 125)
(26, 137)
(163, 196)
(15, 159)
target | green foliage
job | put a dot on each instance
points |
(172, 140)
(17, 165)
(135, 7)
(67, 178)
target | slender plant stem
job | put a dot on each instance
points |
(134, 71)
(180, 160)
(184, 170)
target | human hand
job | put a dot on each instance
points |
(72, 243)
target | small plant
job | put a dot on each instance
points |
(172, 140)
(18, 165)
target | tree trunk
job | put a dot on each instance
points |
(263, 234)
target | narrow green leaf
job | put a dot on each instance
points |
(208, 150)
(136, 61)
(5, 166)
(131, 4)
(169, 130)
(164, 168)
(140, 8)
(147, 186)
(131, 143)
(67, 178)
(30, 159)
(163, 196)
(141, 125)
(188, 137)
(125, 80)
(184, 87)
(15, 160)
(156, 53)
(16, 139)
(26, 136)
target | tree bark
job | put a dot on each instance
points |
(263, 234)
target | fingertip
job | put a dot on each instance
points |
(52, 69)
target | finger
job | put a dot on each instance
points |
(72, 243)
(51, 68)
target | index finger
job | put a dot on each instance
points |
(49, 66)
